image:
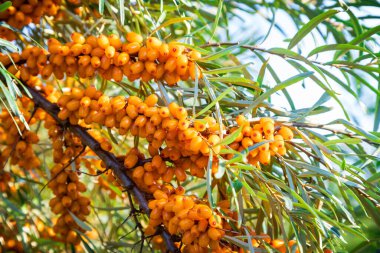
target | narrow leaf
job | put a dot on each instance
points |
(345, 140)
(122, 11)
(5, 5)
(170, 22)
(310, 26)
(231, 137)
(218, 54)
(208, 107)
(80, 222)
(278, 87)
(226, 69)
(101, 6)
(217, 17)
(332, 47)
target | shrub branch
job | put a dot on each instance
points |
(108, 158)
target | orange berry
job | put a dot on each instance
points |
(186, 224)
(137, 67)
(66, 201)
(171, 64)
(134, 37)
(151, 100)
(264, 157)
(153, 42)
(286, 133)
(200, 125)
(86, 49)
(110, 51)
(103, 41)
(175, 49)
(195, 144)
(256, 136)
(115, 41)
(194, 55)
(182, 61)
(132, 48)
(130, 160)
(214, 234)
(122, 58)
(78, 38)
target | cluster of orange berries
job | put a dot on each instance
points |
(18, 148)
(65, 183)
(171, 134)
(147, 120)
(199, 227)
(109, 57)
(23, 12)
(266, 131)
(112, 59)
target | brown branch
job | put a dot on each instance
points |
(365, 195)
(108, 158)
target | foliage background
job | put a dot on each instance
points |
(345, 83)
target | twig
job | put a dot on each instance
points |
(108, 158)
(307, 152)
(256, 48)
(333, 130)
(67, 165)
(364, 194)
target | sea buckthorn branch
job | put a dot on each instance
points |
(256, 48)
(108, 158)
(330, 129)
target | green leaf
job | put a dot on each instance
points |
(310, 26)
(101, 6)
(217, 17)
(352, 65)
(231, 137)
(287, 53)
(237, 185)
(225, 70)
(376, 123)
(217, 55)
(236, 241)
(365, 35)
(345, 141)
(332, 47)
(260, 78)
(193, 47)
(354, 20)
(208, 107)
(8, 44)
(122, 11)
(356, 130)
(170, 22)
(323, 99)
(88, 248)
(360, 38)
(278, 87)
(240, 81)
(209, 180)
(80, 223)
(5, 5)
